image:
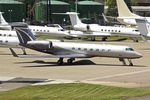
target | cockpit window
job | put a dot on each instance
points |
(129, 49)
(61, 30)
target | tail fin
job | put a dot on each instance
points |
(143, 26)
(24, 35)
(74, 18)
(123, 9)
(2, 20)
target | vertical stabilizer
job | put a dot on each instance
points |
(2, 20)
(123, 9)
(24, 35)
(74, 18)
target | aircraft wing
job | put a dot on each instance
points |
(50, 56)
(57, 56)
(93, 34)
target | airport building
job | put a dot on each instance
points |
(11, 11)
(36, 10)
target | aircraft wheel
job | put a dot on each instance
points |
(69, 61)
(104, 38)
(60, 61)
(136, 40)
(131, 64)
(93, 39)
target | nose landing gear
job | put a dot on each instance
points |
(124, 62)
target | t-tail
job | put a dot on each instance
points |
(143, 26)
(2, 20)
(24, 35)
(74, 18)
(123, 9)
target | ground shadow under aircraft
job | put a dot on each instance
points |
(76, 63)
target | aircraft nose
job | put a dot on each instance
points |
(138, 55)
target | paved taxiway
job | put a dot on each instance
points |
(106, 71)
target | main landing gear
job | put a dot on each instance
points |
(24, 51)
(104, 38)
(69, 61)
(124, 62)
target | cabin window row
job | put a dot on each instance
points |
(5, 35)
(105, 30)
(40, 30)
(85, 49)
(2, 41)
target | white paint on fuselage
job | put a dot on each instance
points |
(108, 29)
(9, 42)
(97, 50)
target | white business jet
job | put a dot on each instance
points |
(97, 30)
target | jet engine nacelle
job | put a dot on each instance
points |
(41, 45)
(82, 27)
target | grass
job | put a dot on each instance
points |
(71, 92)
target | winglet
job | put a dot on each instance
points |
(13, 52)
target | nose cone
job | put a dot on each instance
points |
(138, 55)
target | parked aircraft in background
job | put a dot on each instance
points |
(144, 26)
(101, 30)
(63, 50)
(125, 15)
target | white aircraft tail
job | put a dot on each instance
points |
(2, 20)
(74, 18)
(123, 9)
(143, 26)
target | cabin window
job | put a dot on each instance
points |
(33, 29)
(79, 48)
(85, 49)
(1, 41)
(91, 49)
(108, 30)
(4, 34)
(73, 48)
(109, 50)
(112, 30)
(47, 30)
(37, 30)
(97, 50)
(6, 41)
(44, 30)
(105, 30)
(0, 34)
(103, 50)
(119, 31)
(10, 35)
(101, 29)
(41, 30)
